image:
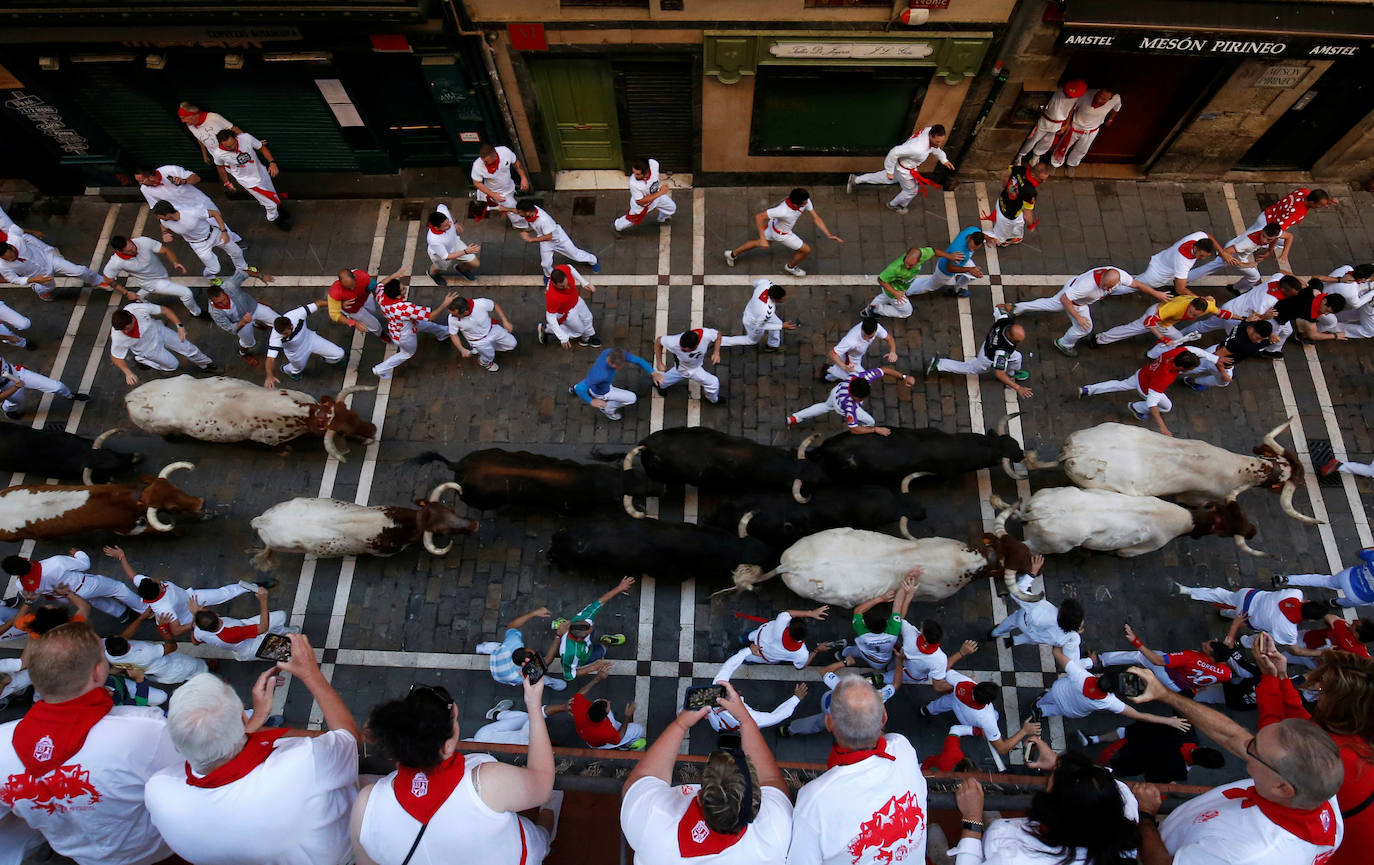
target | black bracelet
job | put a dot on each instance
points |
(1147, 817)
(972, 826)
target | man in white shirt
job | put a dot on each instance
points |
(26, 260)
(648, 193)
(690, 348)
(903, 163)
(846, 358)
(1257, 302)
(1052, 120)
(75, 766)
(471, 317)
(173, 184)
(566, 314)
(761, 318)
(247, 795)
(170, 604)
(713, 821)
(1169, 268)
(1247, 251)
(157, 662)
(43, 579)
(204, 231)
(134, 330)
(205, 126)
(723, 721)
(1077, 694)
(777, 224)
(240, 637)
(1091, 112)
(237, 312)
(871, 802)
(491, 175)
(294, 338)
(551, 238)
(448, 254)
(1275, 613)
(1077, 295)
(236, 155)
(1042, 623)
(973, 705)
(1351, 283)
(813, 724)
(778, 641)
(919, 659)
(137, 257)
(15, 381)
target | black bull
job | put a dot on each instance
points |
(888, 459)
(779, 521)
(52, 453)
(493, 478)
(668, 551)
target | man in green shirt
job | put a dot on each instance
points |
(875, 635)
(578, 648)
(896, 279)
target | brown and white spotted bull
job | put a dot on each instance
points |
(327, 528)
(52, 511)
(1139, 462)
(223, 409)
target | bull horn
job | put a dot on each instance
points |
(100, 439)
(1015, 590)
(797, 492)
(152, 518)
(806, 445)
(1032, 461)
(906, 481)
(1286, 502)
(1249, 550)
(172, 467)
(999, 526)
(438, 492)
(1271, 436)
(744, 523)
(349, 391)
(428, 538)
(1002, 424)
(902, 526)
(628, 463)
(1010, 469)
(632, 510)
(331, 446)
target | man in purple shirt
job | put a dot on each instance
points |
(846, 400)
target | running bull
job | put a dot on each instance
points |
(64, 456)
(668, 551)
(1139, 462)
(846, 567)
(222, 409)
(493, 478)
(778, 521)
(1057, 519)
(51, 511)
(328, 528)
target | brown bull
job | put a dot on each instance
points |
(52, 511)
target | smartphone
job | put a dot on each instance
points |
(1032, 753)
(534, 668)
(703, 697)
(1131, 685)
(728, 741)
(274, 647)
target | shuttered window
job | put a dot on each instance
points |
(657, 116)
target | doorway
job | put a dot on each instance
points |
(1342, 97)
(577, 99)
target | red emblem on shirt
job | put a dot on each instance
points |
(56, 792)
(1205, 816)
(890, 834)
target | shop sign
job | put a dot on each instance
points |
(47, 120)
(928, 4)
(1281, 76)
(1241, 45)
(851, 50)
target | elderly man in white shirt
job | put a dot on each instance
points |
(903, 162)
(137, 258)
(204, 126)
(253, 796)
(448, 254)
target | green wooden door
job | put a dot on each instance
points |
(577, 100)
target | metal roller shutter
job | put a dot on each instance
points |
(657, 117)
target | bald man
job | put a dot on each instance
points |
(998, 356)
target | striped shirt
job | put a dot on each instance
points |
(848, 405)
(503, 668)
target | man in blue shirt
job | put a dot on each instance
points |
(955, 273)
(598, 388)
(509, 655)
(1354, 585)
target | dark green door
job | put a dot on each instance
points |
(577, 101)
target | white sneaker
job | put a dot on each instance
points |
(849, 185)
(961, 730)
(896, 209)
(1182, 589)
(795, 271)
(490, 367)
(500, 707)
(613, 415)
(730, 257)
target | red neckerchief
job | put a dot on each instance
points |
(134, 325)
(1313, 825)
(1317, 307)
(789, 203)
(433, 230)
(30, 581)
(1258, 238)
(157, 177)
(1186, 750)
(763, 295)
(790, 643)
(700, 332)
(964, 693)
(226, 149)
(1185, 249)
(124, 255)
(492, 166)
(420, 794)
(924, 647)
(4, 236)
(255, 752)
(695, 838)
(50, 734)
(845, 757)
(468, 307)
(1275, 291)
(1099, 273)
(223, 303)
(1091, 691)
(1291, 608)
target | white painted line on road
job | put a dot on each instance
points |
(1333, 430)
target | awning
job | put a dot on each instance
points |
(1316, 31)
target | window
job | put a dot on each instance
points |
(817, 110)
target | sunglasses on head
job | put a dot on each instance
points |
(438, 692)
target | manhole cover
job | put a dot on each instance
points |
(411, 210)
(584, 205)
(1194, 202)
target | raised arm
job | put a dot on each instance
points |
(1150, 654)
(1205, 720)
(519, 621)
(512, 788)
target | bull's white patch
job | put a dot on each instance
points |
(1139, 462)
(1057, 519)
(321, 527)
(20, 507)
(849, 566)
(219, 409)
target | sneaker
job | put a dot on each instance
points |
(1234, 289)
(612, 639)
(12, 601)
(498, 709)
(1192, 383)
(1037, 715)
(596, 268)
(1083, 391)
(1064, 349)
(1092, 341)
(785, 728)
(1009, 641)
(849, 185)
(1335, 603)
(468, 275)
(294, 376)
(1279, 581)
(30, 345)
(282, 224)
(438, 280)
(925, 713)
(770, 349)
(1330, 467)
(592, 341)
(638, 744)
(866, 312)
(1020, 375)
(490, 367)
(80, 397)
(1139, 415)
(791, 421)
(1181, 589)
(558, 623)
(962, 291)
(961, 730)
(541, 334)
(613, 415)
(729, 258)
(13, 415)
(1082, 738)
(895, 209)
(795, 271)
(933, 366)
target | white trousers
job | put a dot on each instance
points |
(406, 345)
(264, 315)
(832, 403)
(1250, 276)
(1079, 143)
(1364, 470)
(617, 398)
(1041, 138)
(265, 194)
(205, 251)
(12, 320)
(563, 245)
(1129, 384)
(978, 365)
(902, 177)
(161, 358)
(578, 323)
(452, 265)
(370, 316)
(1054, 303)
(755, 331)
(30, 379)
(1340, 582)
(710, 384)
(497, 339)
(1007, 229)
(1134, 328)
(109, 595)
(892, 307)
(299, 350)
(1208, 374)
(938, 279)
(165, 287)
(665, 206)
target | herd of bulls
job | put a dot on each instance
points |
(807, 516)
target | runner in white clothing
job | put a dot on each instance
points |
(170, 604)
(1078, 294)
(134, 330)
(690, 348)
(240, 637)
(761, 317)
(204, 231)
(160, 663)
(1254, 304)
(1091, 113)
(551, 238)
(45, 578)
(1247, 251)
(1042, 623)
(237, 312)
(173, 184)
(1077, 694)
(1351, 283)
(16, 380)
(12, 320)
(1275, 613)
(648, 192)
(903, 163)
(472, 319)
(777, 224)
(448, 254)
(292, 337)
(495, 186)
(781, 640)
(1169, 268)
(846, 358)
(205, 126)
(237, 155)
(1052, 120)
(26, 260)
(137, 257)
(973, 705)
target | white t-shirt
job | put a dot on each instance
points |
(866, 813)
(1068, 692)
(1011, 841)
(99, 819)
(240, 636)
(651, 813)
(58, 571)
(1059, 106)
(1040, 623)
(1086, 117)
(244, 164)
(912, 153)
(1265, 615)
(983, 718)
(769, 637)
(498, 180)
(1252, 242)
(921, 666)
(641, 188)
(180, 196)
(147, 264)
(34, 259)
(1087, 287)
(1256, 301)
(149, 339)
(1178, 259)
(209, 128)
(543, 224)
(290, 810)
(441, 244)
(782, 218)
(760, 307)
(174, 599)
(690, 359)
(157, 664)
(193, 223)
(299, 330)
(1213, 830)
(477, 323)
(854, 345)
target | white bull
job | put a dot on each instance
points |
(222, 409)
(846, 567)
(1058, 519)
(1139, 462)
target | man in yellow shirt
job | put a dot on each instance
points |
(1162, 320)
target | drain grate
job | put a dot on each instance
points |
(1194, 202)
(411, 211)
(584, 205)
(1320, 450)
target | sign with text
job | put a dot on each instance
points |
(852, 50)
(1240, 45)
(1281, 76)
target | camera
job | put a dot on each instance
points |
(1130, 685)
(703, 697)
(534, 668)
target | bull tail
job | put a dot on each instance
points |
(265, 560)
(605, 457)
(746, 577)
(431, 457)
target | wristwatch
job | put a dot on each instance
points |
(973, 826)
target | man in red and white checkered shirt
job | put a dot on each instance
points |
(405, 320)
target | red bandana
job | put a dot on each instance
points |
(30, 581)
(124, 255)
(789, 643)
(50, 734)
(255, 752)
(1091, 691)
(1187, 749)
(4, 236)
(228, 149)
(1291, 609)
(1099, 274)
(844, 757)
(1313, 825)
(964, 693)
(695, 838)
(434, 230)
(134, 325)
(1275, 291)
(421, 794)
(1316, 312)
(789, 203)
(924, 647)
(1186, 249)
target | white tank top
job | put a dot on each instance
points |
(463, 823)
